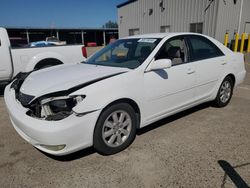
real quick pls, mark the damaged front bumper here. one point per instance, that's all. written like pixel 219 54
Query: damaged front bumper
pixel 54 137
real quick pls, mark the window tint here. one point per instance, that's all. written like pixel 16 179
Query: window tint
pixel 175 50
pixel 203 48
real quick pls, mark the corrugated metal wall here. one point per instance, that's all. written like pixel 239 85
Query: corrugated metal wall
pixel 227 20
pixel 178 14
pixel 222 16
pixel 245 15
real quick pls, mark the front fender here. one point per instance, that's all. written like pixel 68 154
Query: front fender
pixel 101 94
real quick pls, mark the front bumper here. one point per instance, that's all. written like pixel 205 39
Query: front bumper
pixel 75 132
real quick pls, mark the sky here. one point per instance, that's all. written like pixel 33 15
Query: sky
pixel 57 13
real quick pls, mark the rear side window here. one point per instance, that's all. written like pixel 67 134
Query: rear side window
pixel 202 48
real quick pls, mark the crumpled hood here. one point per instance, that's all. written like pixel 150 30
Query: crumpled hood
pixel 64 77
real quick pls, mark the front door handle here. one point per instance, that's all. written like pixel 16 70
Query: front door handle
pixel 223 62
pixel 190 71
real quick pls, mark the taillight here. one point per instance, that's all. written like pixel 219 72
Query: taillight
pixel 84 51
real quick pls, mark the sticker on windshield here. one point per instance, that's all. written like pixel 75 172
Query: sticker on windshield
pixel 147 40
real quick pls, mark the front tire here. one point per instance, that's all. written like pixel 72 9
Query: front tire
pixel 115 129
pixel 225 92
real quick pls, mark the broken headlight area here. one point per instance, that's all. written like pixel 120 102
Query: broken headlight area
pixel 54 108
pixel 18 80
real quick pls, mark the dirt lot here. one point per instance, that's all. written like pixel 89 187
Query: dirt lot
pixel 190 149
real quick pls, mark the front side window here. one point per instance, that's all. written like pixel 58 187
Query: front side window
pixel 203 48
pixel 128 53
pixel 175 50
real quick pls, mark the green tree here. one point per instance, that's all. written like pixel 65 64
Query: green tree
pixel 110 24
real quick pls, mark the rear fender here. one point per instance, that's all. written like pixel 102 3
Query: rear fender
pixel 39 57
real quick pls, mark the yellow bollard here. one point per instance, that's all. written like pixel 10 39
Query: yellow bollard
pixel 226 40
pixel 248 44
pixel 236 42
pixel 243 36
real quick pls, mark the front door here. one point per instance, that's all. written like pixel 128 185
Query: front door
pixel 168 90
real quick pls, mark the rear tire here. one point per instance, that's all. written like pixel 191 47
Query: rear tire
pixel 225 92
pixel 115 129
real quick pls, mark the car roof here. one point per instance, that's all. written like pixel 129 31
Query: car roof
pixel 161 35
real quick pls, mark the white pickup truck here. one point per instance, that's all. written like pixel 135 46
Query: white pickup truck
pixel 15 60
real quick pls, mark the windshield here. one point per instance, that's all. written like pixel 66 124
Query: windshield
pixel 127 53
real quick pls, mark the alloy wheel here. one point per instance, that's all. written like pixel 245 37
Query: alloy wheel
pixel 225 91
pixel 117 128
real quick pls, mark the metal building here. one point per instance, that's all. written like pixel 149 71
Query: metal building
pixel 210 17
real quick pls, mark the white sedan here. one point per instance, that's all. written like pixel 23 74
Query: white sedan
pixel 129 84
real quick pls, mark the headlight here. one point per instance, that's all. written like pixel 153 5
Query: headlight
pixel 57 108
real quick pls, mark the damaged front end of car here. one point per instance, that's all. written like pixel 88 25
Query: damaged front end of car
pixel 51 107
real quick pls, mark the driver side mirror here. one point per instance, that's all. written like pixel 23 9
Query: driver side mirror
pixel 159 64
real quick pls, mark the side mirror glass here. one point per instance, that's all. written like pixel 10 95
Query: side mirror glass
pixel 159 64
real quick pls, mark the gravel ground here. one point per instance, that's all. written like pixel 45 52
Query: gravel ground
pixel 189 149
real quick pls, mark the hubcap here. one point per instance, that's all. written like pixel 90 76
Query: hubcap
pixel 116 128
pixel 225 91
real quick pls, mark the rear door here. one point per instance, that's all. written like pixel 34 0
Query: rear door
pixel 210 63
pixel 5 56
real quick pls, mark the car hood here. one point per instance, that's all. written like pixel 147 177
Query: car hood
pixel 65 77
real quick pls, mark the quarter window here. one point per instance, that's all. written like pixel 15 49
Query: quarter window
pixel 203 48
